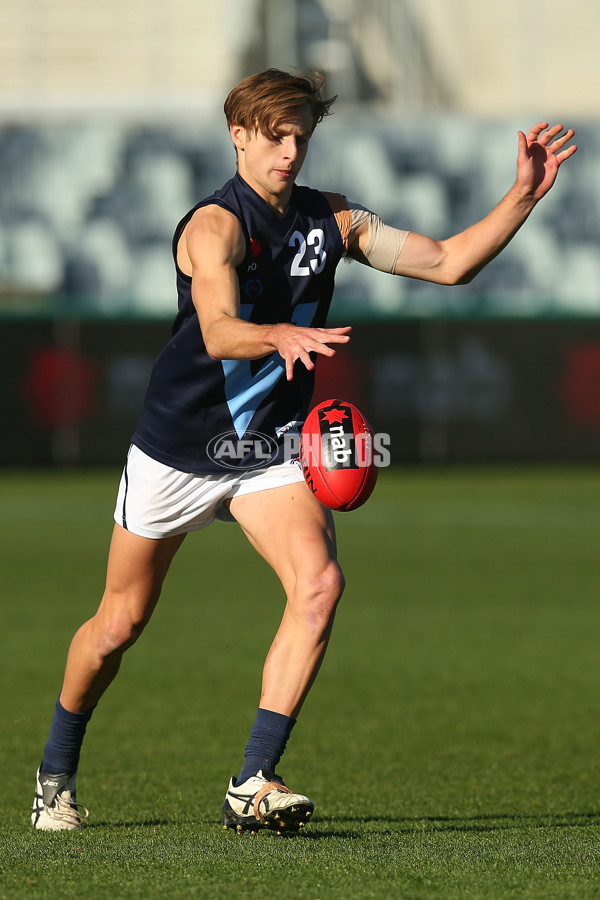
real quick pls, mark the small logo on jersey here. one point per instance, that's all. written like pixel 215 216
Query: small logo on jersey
pixel 255 247
pixel 253 451
pixel 253 288
pixel 295 426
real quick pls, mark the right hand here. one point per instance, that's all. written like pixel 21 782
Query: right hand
pixel 294 342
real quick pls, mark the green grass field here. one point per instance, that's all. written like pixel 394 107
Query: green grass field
pixel 451 742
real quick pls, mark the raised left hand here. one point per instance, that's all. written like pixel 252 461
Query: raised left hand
pixel 540 155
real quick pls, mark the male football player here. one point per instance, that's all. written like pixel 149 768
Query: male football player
pixel 255 265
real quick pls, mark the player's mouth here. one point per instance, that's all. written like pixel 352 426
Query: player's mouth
pixel 285 173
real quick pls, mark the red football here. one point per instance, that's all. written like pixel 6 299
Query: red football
pixel 336 454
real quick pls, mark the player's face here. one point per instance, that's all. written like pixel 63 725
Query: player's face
pixel 270 164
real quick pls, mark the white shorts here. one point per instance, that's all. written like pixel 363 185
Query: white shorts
pixel 156 501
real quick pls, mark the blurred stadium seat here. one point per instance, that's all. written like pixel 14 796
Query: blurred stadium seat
pixel 87 209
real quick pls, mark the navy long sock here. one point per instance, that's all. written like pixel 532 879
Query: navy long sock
pixel 61 753
pixel 266 744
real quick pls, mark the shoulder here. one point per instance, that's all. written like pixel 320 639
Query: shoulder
pixel 336 201
pixel 213 232
pixel 214 217
pixel 307 198
pixel 325 202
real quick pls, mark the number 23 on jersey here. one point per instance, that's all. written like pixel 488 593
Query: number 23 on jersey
pixel 311 256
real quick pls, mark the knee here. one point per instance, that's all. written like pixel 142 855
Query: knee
pixel 333 583
pixel 116 632
pixel 320 595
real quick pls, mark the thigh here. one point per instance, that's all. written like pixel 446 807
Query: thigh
pixel 290 529
pixel 136 570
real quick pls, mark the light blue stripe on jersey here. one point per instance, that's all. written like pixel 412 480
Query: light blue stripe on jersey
pixel 245 391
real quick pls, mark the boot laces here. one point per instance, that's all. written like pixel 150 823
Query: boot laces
pixel 65 809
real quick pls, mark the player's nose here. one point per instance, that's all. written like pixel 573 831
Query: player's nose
pixel 290 147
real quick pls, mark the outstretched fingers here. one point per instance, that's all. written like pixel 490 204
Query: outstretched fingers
pixel 298 343
pixel 536 130
pixel 559 143
pixel 553 139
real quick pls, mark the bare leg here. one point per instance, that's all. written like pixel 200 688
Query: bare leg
pixel 296 536
pixel 136 570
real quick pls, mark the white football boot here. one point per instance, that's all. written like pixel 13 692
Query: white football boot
pixel 263 801
pixel 54 805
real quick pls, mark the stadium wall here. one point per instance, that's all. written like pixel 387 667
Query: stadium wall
pixel 446 391
pixel 494 59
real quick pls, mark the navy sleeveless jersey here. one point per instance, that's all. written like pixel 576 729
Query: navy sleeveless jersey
pixel 198 410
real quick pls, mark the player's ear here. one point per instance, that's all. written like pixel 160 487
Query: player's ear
pixel 238 136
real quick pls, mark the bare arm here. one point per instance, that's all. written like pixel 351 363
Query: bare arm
pixel 211 248
pixel 458 259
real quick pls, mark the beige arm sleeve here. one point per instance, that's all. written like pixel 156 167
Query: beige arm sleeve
pixel 385 243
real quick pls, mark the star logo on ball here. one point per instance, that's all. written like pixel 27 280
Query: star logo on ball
pixel 334 416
